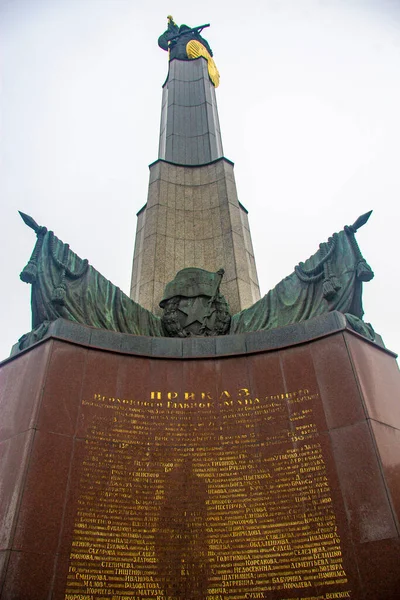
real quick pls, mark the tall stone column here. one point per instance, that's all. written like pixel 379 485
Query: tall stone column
pixel 193 217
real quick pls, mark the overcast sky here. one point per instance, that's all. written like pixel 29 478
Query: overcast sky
pixel 309 109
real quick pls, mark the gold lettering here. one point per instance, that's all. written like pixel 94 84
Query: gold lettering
pixel 243 393
pixel 285 540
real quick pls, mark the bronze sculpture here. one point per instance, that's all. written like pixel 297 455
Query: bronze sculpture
pixel 64 285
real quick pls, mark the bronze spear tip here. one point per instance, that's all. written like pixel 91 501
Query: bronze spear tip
pixel 29 221
pixel 361 220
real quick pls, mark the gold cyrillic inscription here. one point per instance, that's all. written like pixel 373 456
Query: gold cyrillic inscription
pixel 268 519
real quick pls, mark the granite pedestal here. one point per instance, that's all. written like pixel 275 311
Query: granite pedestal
pixel 264 465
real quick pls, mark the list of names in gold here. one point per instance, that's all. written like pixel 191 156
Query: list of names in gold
pixel 188 496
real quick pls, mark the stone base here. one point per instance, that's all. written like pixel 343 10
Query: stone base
pixel 257 466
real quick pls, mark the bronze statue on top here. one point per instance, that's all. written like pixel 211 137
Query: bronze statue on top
pixel 175 39
pixel 185 43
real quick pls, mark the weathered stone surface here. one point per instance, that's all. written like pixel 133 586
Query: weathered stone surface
pixel 206 227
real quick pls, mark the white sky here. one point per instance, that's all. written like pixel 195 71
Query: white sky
pixel 309 109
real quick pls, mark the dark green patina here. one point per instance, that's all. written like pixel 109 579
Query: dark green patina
pixel 193 304
pixel 175 39
pixel 64 285
pixel 329 280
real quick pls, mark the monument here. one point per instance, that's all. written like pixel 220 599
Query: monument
pixel 193 217
pixel 194 441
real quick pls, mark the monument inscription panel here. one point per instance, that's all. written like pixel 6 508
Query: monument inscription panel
pixel 212 491
pixel 253 476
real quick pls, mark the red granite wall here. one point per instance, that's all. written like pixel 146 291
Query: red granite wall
pixel 268 475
